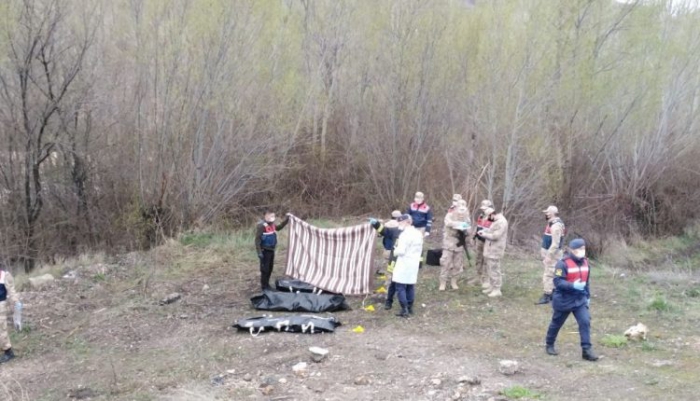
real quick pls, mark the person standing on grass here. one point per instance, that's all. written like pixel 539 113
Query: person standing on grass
pixel 482 223
pixel 389 231
pixel 551 252
pixel 572 295
pixel 265 244
pixel 453 245
pixel 421 214
pixel 7 295
pixel 496 237
pixel 408 252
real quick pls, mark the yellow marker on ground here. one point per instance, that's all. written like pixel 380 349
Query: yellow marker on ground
pixel 380 290
pixel 370 308
pixel 358 329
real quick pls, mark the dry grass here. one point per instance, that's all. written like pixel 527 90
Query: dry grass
pixel 110 335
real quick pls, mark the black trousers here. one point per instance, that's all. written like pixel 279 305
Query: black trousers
pixel 266 264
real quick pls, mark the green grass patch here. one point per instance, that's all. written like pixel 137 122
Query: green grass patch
pixel 693 292
pixel 518 392
pixel 660 304
pixel 614 341
pixel 649 347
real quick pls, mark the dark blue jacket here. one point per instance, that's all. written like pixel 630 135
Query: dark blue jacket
pixel 565 297
pixel 422 215
pixel 388 234
pixel 266 235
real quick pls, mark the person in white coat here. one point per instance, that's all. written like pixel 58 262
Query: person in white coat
pixel 408 252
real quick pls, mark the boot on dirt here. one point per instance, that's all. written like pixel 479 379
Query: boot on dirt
pixel 589 355
pixel 487 290
pixel 404 311
pixel 388 305
pixel 544 299
pixel 453 283
pixel 551 350
pixel 443 284
pixel 7 356
pixel 410 308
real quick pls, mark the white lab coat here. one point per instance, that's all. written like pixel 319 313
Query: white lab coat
pixel 408 252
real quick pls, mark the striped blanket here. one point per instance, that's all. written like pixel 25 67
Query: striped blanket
pixel 337 260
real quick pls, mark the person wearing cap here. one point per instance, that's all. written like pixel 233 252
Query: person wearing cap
pixel 457 225
pixel 496 237
pixel 421 214
pixel 265 244
pixel 572 295
pixel 389 231
pixel 455 199
pixel 408 252
pixel 551 251
pixel 482 223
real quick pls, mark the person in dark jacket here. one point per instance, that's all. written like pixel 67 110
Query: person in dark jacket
pixel 389 231
pixel 421 214
pixel 265 244
pixel 572 295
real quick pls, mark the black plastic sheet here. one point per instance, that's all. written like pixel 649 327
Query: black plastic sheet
pixel 299 302
pixel 292 324
pixel 294 285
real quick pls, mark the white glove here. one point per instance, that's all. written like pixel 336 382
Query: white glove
pixel 427 234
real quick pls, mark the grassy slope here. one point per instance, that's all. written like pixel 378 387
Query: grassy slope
pixel 105 332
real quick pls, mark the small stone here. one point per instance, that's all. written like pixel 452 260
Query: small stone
pixel 70 275
pixel 183 316
pixel 456 395
pixel 217 380
pixel 436 382
pixel 266 389
pixel 508 368
pixel 231 371
pixel 205 288
pixel 269 380
pixel 432 393
pixel 382 356
pixel 247 377
pixel 300 369
pixel 361 381
pixel 474 381
pixel 41 281
pixel 170 298
pixel 282 381
pixel 318 354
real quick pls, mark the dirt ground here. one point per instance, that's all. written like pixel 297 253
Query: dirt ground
pixel 104 336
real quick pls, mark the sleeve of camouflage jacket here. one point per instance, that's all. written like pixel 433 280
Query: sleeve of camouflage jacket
pixel 557 233
pixel 12 295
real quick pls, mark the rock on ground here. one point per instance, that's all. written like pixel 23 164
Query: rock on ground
pixel 508 367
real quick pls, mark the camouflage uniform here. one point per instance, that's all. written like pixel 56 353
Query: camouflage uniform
pixel 453 245
pixel 9 296
pixel 494 248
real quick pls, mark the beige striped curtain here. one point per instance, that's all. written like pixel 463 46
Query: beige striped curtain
pixel 337 260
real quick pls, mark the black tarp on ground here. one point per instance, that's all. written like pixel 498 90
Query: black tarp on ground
pixel 293 324
pixel 299 302
pixel 294 285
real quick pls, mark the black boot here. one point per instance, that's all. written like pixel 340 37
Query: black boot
pixel 387 305
pixel 9 354
pixel 589 355
pixel 410 308
pixel 551 350
pixel 545 299
pixel 404 311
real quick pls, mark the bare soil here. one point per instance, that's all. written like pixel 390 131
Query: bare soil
pixel 105 336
